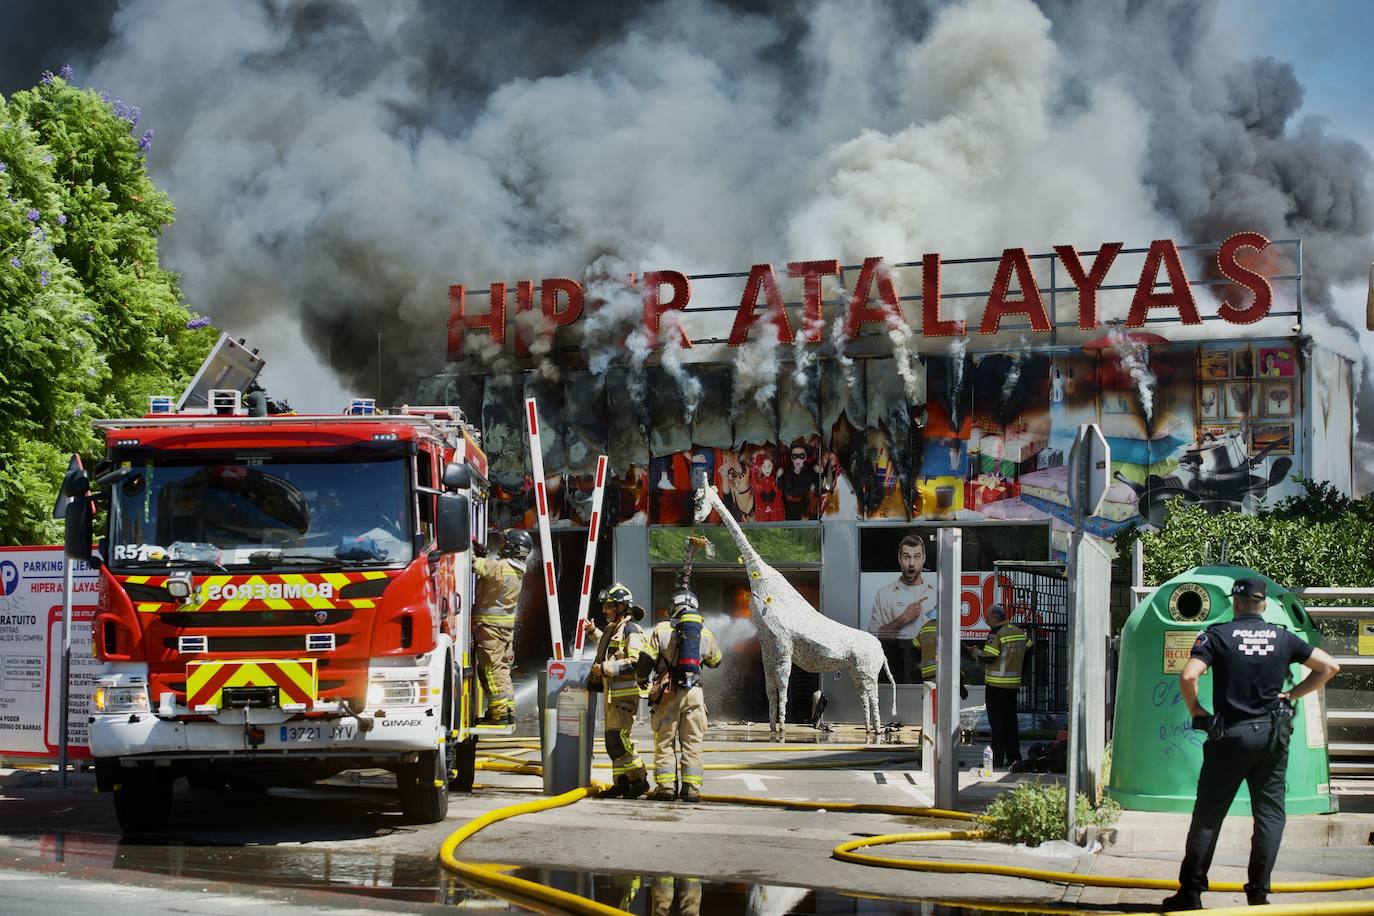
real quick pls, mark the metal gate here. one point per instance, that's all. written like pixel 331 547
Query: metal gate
pixel 1038 602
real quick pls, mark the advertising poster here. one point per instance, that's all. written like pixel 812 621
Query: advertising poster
pixel 31 652
pixel 980 590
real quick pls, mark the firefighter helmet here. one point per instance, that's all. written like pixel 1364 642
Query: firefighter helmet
pixel 616 594
pixel 518 544
pixel 682 602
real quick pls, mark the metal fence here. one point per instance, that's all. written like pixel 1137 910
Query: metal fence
pixel 1038 602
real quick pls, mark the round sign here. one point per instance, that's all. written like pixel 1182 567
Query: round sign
pixel 1190 602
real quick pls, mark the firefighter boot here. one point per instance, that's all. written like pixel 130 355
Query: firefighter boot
pixel 636 787
pixel 691 794
pixel 497 718
pixel 664 793
pixel 618 789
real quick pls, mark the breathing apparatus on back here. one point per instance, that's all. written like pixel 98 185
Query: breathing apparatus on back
pixel 685 613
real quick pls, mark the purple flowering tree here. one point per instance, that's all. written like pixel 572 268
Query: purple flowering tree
pixel 94 323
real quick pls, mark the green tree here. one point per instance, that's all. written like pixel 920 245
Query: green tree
pixel 90 323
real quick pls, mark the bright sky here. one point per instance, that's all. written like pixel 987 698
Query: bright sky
pixel 1330 44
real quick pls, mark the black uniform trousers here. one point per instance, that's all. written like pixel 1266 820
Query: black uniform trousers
pixel 1241 753
pixel 1006 734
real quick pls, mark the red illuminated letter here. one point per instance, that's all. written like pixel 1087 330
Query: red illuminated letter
pixel 548 300
pixel 654 306
pixel 859 312
pixel 812 271
pixel 460 322
pixel 1088 283
pixel 1029 304
pixel 760 277
pixel 932 325
pixel 1179 295
pixel 1229 264
pixel 524 303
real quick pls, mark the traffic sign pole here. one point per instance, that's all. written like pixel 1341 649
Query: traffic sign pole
pixel 1090 466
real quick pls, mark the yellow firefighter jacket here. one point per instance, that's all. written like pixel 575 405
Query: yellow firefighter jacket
pixel 925 641
pixel 1004 653
pixel 617 650
pixel 498 590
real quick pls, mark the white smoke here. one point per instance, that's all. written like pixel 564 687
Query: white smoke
pixel 1135 359
pixel 756 367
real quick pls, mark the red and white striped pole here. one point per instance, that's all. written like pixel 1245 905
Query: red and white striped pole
pixel 545 538
pixel 584 600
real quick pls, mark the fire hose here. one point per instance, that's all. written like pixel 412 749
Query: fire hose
pixel 847 852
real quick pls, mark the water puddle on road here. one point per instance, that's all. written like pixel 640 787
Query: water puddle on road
pixel 419 879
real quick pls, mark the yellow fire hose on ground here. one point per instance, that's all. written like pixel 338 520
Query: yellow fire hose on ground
pixel 847 852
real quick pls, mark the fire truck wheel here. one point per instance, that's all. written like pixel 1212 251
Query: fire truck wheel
pixel 462 769
pixel 143 800
pixel 424 788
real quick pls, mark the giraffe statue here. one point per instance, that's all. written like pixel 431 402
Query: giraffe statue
pixel 792 631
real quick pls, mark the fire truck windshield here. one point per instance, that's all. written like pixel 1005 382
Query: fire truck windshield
pixel 261 512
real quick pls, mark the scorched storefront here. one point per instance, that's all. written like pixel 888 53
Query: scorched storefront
pixel 846 412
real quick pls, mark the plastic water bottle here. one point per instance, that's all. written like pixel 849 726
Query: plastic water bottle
pixel 987 761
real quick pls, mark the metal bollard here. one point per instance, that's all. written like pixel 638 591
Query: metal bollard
pixel 567 725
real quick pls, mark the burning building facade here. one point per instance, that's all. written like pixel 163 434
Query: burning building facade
pixel 840 408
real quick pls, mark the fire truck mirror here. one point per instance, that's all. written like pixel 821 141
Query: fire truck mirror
pixel 457 476
pixel 78 530
pixel 454 523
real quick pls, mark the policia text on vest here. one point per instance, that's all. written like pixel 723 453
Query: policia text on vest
pixel 1247 734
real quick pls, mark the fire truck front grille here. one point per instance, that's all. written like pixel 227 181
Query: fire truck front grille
pixel 295 643
pixel 205 620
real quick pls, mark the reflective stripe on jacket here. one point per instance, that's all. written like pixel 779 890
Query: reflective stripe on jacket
pixel 925 641
pixel 618 651
pixel 498 590
pixel 1005 653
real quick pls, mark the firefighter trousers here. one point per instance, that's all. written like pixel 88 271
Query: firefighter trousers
pixel 1006 737
pixel 620 746
pixel 495 652
pixel 679 719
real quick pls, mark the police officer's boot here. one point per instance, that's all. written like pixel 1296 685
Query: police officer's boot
pixel 691 794
pixel 636 787
pixel 1183 900
pixel 1255 897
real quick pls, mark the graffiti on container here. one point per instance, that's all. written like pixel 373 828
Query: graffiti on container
pixel 1179 736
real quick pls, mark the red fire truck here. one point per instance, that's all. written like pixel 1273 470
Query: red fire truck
pixel 283 598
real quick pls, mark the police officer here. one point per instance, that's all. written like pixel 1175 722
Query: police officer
pixel 675 650
pixel 1247 736
pixel 498 592
pixel 1004 654
pixel 613 671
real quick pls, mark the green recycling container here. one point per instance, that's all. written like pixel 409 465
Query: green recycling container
pixel 1156 755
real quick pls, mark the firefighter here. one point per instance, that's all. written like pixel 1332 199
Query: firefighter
pixel 1004 654
pixel 498 591
pixel 671 662
pixel 613 672
pixel 925 641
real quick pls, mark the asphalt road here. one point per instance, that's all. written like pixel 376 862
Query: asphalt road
pixel 342 847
